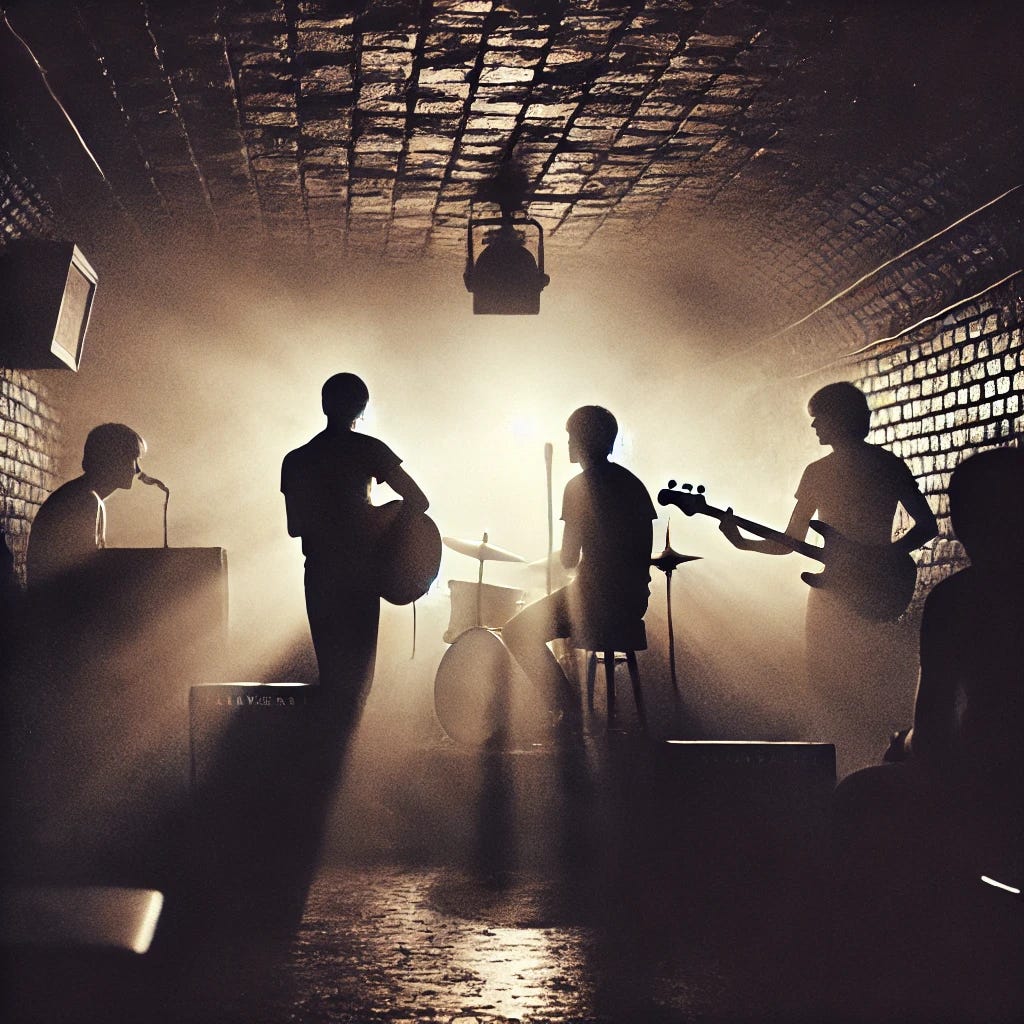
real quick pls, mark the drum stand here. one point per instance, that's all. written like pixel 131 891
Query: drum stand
pixel 668 561
pixel 480 585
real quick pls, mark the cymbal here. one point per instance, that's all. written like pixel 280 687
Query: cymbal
pixel 481 550
pixel 669 560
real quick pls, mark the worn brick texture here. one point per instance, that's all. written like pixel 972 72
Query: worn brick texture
pixel 948 391
pixel 29 425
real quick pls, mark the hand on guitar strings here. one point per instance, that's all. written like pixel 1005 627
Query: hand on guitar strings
pixel 728 528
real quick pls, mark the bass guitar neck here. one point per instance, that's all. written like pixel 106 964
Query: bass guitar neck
pixel 876 581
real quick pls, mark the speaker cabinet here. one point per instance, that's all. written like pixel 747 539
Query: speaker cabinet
pixel 46 296
pixel 244 736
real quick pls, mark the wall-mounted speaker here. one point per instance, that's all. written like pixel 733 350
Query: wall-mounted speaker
pixel 46 295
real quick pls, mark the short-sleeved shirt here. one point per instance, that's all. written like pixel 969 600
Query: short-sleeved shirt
pixel 327 483
pixel 612 511
pixel 857 490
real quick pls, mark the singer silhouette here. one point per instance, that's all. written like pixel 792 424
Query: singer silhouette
pixel 70 527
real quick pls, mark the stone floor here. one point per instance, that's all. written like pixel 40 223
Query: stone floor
pixel 398 944
pixel 402 944
pixel 603 886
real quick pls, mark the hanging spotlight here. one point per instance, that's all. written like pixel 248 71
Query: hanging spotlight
pixel 505 278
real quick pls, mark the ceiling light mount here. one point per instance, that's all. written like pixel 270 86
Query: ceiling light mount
pixel 505 279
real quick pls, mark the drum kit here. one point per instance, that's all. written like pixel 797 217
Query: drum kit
pixel 481 697
pixel 478 697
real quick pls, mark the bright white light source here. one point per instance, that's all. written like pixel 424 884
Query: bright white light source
pixel 1000 885
pixel 524 428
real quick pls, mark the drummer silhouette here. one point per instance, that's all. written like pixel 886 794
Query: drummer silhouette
pixel 607 536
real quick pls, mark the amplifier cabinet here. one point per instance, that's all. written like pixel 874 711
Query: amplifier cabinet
pixel 728 813
pixel 262 775
pixel 241 732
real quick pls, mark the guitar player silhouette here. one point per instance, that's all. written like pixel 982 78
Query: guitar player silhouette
pixel 857 490
pixel 326 486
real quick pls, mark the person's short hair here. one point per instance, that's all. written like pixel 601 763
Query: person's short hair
pixel 111 444
pixel 594 427
pixel 845 405
pixel 344 396
pixel 986 494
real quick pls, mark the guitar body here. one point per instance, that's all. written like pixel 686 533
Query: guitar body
pixel 875 583
pixel 407 553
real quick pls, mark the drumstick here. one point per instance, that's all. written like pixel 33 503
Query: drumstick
pixel 548 452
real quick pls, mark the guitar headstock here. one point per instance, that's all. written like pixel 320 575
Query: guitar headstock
pixel 688 500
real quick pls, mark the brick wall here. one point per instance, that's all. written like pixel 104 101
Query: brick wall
pixel 945 391
pixel 29 426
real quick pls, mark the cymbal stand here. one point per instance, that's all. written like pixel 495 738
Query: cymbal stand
pixel 668 561
pixel 480 587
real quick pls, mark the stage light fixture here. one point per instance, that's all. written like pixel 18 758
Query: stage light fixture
pixel 505 279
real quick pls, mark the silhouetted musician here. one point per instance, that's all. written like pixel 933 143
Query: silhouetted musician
pixel 70 527
pixel 857 490
pixel 326 485
pixel 608 530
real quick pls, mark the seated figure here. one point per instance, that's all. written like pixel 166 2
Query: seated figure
pixel 608 535
pixel 957 783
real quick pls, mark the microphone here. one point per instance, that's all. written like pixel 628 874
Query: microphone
pixel 153 482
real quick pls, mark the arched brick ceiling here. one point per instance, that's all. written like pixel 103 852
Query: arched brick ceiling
pixel 821 138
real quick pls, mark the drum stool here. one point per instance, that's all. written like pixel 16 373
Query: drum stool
pixel 628 642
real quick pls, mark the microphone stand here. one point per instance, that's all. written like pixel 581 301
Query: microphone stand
pixel 548 452
pixel 152 481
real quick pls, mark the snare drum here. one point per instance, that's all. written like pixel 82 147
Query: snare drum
pixel 481 696
pixel 496 605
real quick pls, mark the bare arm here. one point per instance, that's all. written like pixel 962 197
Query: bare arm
pixel 797 528
pixel 925 526
pixel 403 485
pixel 572 546
pixel 294 526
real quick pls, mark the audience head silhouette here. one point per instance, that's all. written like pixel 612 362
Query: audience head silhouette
pixel 839 411
pixel 986 496
pixel 344 397
pixel 110 458
pixel 592 432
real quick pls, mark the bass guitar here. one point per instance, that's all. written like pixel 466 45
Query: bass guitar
pixel 876 581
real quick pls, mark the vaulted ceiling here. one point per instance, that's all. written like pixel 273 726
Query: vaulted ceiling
pixel 828 135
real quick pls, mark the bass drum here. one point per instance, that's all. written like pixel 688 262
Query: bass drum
pixel 482 698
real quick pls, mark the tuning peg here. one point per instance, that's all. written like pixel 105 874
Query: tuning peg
pixel 700 488
pixel 671 484
pixel 687 487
